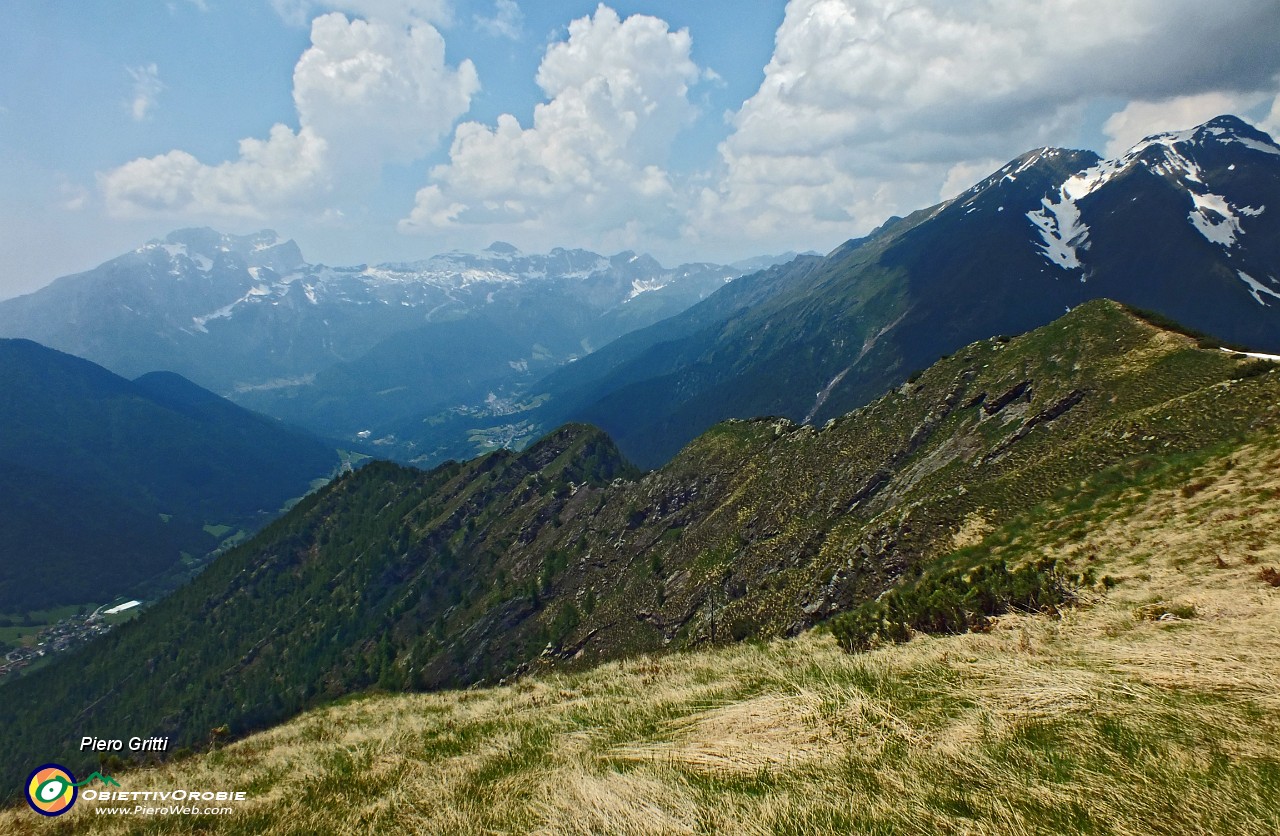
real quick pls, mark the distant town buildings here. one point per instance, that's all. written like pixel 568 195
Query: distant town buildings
pixel 67 634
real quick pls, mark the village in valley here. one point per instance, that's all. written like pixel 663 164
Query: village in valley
pixel 66 634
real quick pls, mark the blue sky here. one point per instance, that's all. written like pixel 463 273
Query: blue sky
pixel 375 130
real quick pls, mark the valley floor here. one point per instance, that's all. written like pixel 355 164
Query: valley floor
pixel 1154 707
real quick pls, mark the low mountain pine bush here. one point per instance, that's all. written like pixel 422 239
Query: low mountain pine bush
pixel 957 600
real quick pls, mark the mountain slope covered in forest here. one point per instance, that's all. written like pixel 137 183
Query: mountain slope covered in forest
pixel 395 578
pixel 108 481
pixel 1145 705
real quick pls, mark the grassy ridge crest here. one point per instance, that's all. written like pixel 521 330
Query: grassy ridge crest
pixel 395 579
pixel 1150 707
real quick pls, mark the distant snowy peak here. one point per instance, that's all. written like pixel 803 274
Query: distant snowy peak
pixel 1176 155
pixel 249 263
pixel 204 248
pixel 1196 161
pixel 499 263
pixel 639 286
pixel 1228 130
pixel 265 257
pixel 258 272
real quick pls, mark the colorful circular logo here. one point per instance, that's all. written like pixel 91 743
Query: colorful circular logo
pixel 51 790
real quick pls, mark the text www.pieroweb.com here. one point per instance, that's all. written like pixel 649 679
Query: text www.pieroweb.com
pixel 173 808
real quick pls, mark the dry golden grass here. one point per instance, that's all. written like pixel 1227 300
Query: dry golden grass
pixel 972 532
pixel 1105 720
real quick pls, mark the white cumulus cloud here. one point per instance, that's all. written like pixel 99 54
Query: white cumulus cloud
pixel 869 107
pixel 366 93
pixel 592 164
pixel 377 91
pixel 1271 122
pixel 270 174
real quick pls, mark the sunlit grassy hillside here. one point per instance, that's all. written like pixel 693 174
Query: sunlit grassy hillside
pixel 1152 707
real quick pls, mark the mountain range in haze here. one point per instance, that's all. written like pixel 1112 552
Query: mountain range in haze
pixel 349 352
pixel 459 354
pixel 448 357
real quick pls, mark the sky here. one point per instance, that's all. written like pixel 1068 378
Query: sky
pixel 392 130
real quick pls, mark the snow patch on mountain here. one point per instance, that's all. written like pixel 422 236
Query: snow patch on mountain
pixel 177 254
pixel 1029 163
pixel 1275 358
pixel 587 272
pixel 639 286
pixel 1250 142
pixel 458 269
pixel 1213 218
pixel 1174 163
pixel 257 291
pixel 1062 231
pixel 1256 287
pixel 1171 162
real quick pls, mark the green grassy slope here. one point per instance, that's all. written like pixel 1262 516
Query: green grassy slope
pixel 1148 707
pixel 398 579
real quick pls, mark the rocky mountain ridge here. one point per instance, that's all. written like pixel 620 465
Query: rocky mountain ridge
pixel 565 555
pixel 1185 224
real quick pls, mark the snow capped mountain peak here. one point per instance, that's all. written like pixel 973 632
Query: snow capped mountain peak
pixel 241 274
pixel 499 263
pixel 1042 165
pixel 1200 162
pixel 1184 151
pixel 1222 129
pixel 203 248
